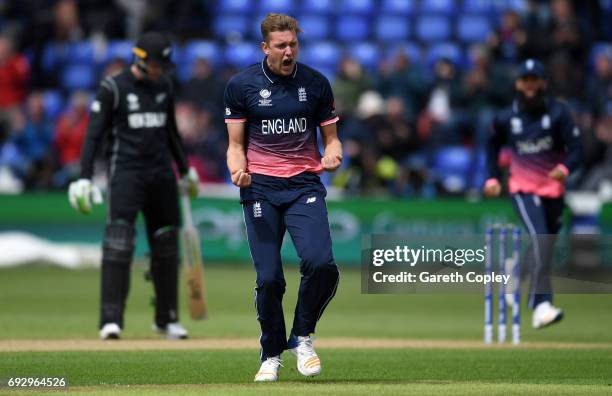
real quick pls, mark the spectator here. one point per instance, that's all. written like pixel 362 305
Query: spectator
pixel 102 17
pixel 9 160
pixel 204 88
pixel 67 25
pixel 510 41
pixel 565 78
pixel 34 142
pixel 565 33
pixel 205 144
pixel 13 165
pixel 442 121
pixel 70 130
pixel 359 137
pixel 14 77
pixel 188 18
pixel 599 86
pixel 601 170
pixel 403 147
pixel 406 81
pixel 487 86
pixel 350 83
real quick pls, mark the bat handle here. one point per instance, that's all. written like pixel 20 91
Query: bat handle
pixel 186 203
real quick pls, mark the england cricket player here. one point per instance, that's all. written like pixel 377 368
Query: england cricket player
pixel 545 146
pixel 273 109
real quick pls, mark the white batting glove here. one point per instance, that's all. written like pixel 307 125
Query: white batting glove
pixel 82 193
pixel 190 183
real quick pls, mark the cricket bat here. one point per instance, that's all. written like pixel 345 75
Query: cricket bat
pixel 192 260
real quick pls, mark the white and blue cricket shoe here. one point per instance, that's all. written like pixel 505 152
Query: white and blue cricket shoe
pixel 546 314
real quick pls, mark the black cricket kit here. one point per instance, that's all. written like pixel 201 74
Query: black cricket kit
pixel 135 120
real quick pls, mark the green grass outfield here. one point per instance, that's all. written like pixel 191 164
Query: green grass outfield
pixel 394 371
pixel 42 303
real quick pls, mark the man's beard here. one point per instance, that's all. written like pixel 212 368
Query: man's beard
pixel 535 104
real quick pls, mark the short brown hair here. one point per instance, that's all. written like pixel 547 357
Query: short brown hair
pixel 278 23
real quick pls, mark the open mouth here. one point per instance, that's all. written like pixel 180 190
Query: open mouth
pixel 287 62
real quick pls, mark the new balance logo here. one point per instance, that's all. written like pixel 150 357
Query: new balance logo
pixel 311 200
pixel 257 209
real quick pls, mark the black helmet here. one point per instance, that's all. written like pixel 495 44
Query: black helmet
pixel 153 46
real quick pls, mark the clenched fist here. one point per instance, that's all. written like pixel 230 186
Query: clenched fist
pixel 492 188
pixel 241 178
pixel 331 162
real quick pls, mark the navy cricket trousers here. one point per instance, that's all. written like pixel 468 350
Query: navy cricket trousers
pixel 542 219
pixel 305 218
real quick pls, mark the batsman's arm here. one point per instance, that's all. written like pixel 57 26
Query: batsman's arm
pixel 176 143
pixel 177 149
pixel 100 120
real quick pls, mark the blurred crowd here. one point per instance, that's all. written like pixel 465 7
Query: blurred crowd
pixel 395 120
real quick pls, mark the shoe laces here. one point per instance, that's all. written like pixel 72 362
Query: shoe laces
pixel 271 363
pixel 305 348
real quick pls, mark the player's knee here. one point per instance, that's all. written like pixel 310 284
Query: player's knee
pixel 164 244
pixel 270 283
pixel 118 245
pixel 328 271
pixel 316 261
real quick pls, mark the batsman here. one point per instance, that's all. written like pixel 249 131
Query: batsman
pixel 545 146
pixel 133 117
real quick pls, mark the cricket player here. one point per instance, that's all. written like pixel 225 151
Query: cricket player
pixel 545 145
pixel 273 109
pixel 133 115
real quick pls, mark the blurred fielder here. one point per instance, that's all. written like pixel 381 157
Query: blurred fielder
pixel 545 146
pixel 133 114
pixel 273 109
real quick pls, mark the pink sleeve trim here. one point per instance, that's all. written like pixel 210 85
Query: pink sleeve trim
pixel 335 119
